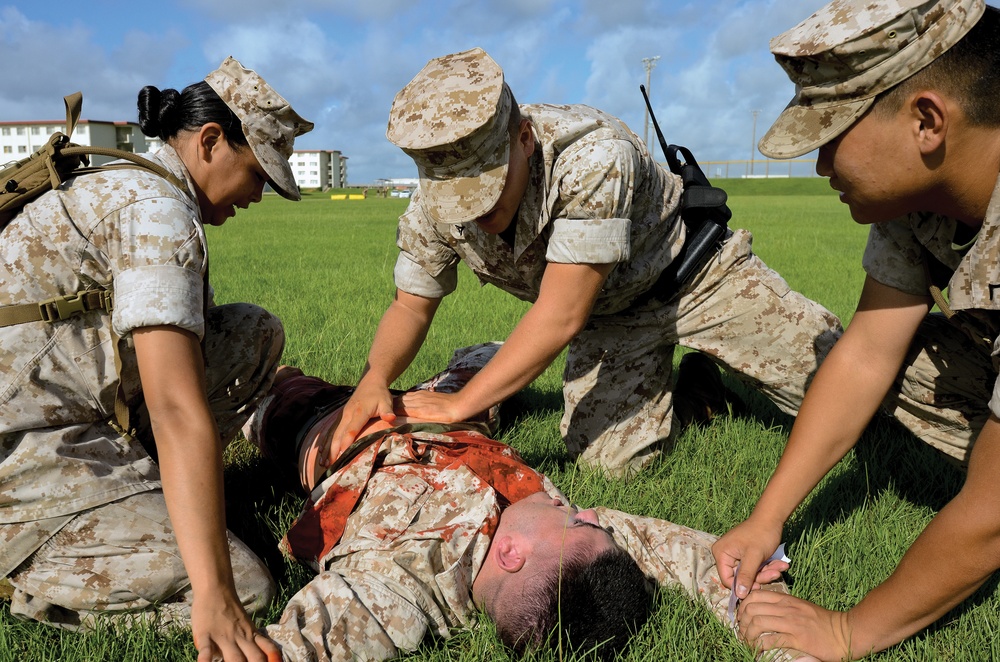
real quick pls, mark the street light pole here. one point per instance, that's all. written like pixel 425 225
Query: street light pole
pixel 649 63
pixel 753 139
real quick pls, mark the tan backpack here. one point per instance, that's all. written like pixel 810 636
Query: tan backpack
pixel 47 168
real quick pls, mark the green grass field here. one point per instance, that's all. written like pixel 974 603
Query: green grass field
pixel 325 267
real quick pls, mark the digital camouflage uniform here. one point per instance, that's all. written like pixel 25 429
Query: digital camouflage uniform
pixel 398 535
pixel 596 196
pixel 83 523
pixel 948 387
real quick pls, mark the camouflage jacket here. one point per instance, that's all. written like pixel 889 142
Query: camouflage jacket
pixel 129 230
pixel 900 252
pixel 405 560
pixel 595 196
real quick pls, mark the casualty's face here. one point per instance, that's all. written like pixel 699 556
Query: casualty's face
pixel 557 530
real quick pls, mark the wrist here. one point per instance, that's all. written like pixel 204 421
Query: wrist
pixel 766 519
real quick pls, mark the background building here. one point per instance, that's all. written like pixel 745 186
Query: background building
pixel 19 139
pixel 319 169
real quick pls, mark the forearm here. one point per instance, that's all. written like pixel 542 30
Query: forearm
pixel 399 336
pixel 531 347
pixel 846 392
pixel 842 399
pixel 565 300
pixel 952 557
pixel 190 458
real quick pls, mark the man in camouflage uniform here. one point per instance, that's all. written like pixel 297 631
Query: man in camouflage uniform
pixel 901 99
pixel 564 207
pixel 420 525
pixel 84 528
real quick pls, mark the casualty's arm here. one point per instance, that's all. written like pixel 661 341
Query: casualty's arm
pixel 846 392
pixel 565 299
pixel 680 557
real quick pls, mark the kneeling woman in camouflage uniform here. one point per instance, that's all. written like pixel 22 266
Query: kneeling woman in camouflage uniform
pixel 94 520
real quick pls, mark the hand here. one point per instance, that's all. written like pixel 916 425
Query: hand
pixel 430 406
pixel 370 400
pixel 748 545
pixel 222 630
pixel 769 620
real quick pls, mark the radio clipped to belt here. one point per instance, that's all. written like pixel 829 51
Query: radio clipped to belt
pixel 703 211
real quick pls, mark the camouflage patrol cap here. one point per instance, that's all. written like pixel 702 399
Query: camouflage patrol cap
pixel 269 123
pixel 848 52
pixel 452 120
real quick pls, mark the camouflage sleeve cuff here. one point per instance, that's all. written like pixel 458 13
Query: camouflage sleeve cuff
pixel 589 241
pixel 413 279
pixel 159 295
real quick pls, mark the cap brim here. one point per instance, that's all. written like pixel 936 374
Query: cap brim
pixel 278 170
pixel 801 129
pixel 467 196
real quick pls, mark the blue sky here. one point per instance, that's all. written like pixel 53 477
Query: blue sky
pixel 340 62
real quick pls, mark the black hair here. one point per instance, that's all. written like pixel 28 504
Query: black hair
pixel 165 113
pixel 969 71
pixel 588 607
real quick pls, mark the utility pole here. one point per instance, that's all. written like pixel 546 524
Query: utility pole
pixel 649 63
pixel 753 139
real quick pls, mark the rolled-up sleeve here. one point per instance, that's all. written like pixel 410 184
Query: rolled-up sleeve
pixel 159 295
pixel 596 187
pixel 412 278
pixel 427 265
pixel 589 241
pixel 161 268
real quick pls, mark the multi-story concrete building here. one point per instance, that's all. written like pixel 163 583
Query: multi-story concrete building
pixel 319 168
pixel 19 139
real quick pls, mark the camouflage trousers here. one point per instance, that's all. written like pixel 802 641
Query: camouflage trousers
pixel 618 385
pixel 122 557
pixel 121 560
pixel 943 391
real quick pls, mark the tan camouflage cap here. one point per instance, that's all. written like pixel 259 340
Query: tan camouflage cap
pixel 452 120
pixel 269 123
pixel 848 52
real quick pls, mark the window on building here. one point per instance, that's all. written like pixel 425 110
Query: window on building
pixel 6 131
pixel 22 149
pixel 81 130
pixel 20 130
pixel 36 130
pixel 7 149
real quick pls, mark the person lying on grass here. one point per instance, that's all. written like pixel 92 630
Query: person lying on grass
pixel 418 526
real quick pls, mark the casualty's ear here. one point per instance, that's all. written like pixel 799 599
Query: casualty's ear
pixel 509 554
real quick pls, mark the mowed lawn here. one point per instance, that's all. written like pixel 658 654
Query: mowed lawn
pixel 325 267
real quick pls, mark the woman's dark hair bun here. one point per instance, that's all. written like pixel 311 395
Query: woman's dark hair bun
pixel 159 112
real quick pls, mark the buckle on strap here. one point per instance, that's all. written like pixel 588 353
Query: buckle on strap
pixel 68 305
